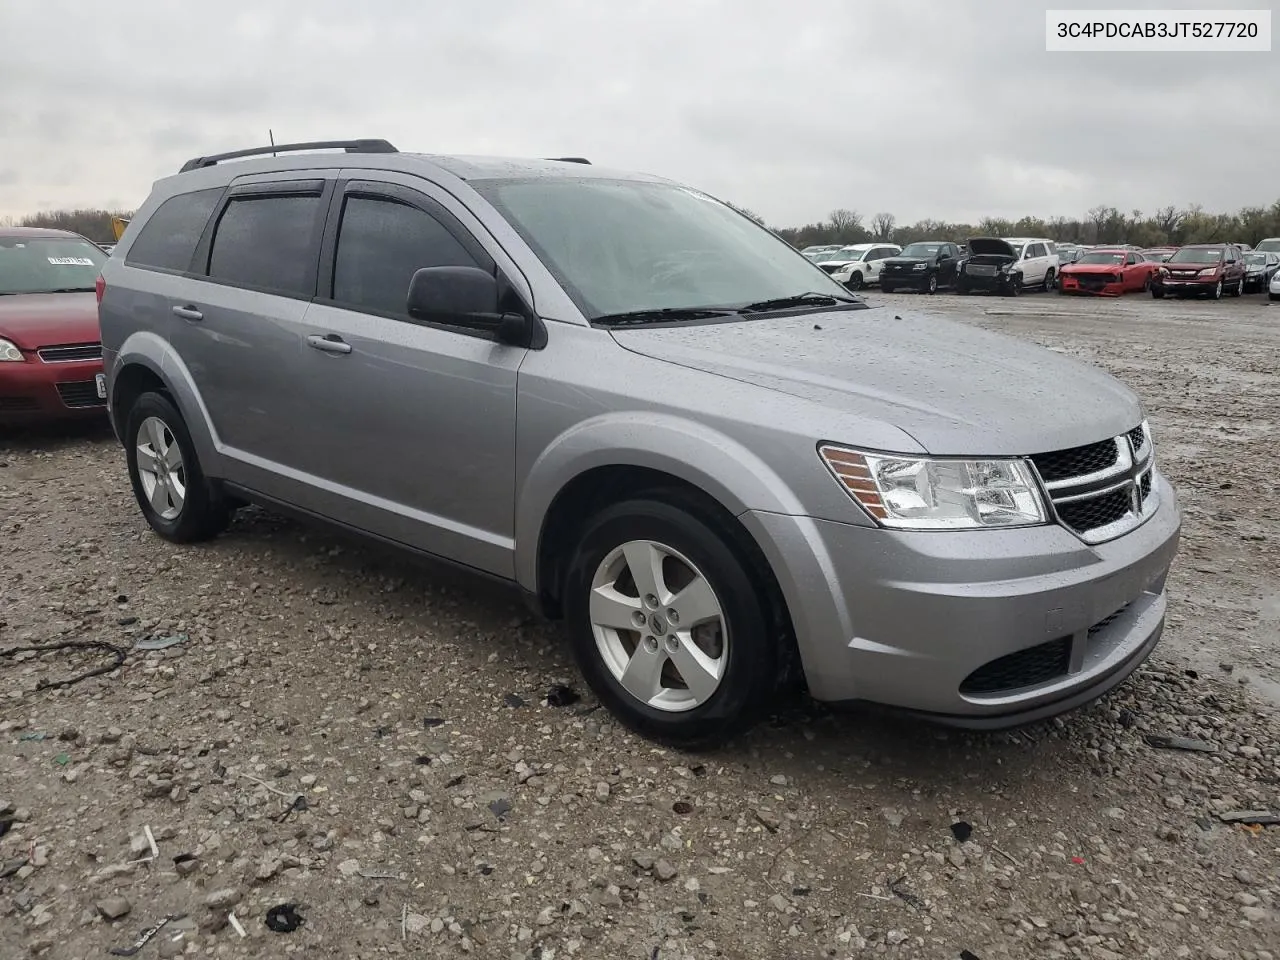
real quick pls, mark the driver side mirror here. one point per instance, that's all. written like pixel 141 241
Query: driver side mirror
pixel 464 297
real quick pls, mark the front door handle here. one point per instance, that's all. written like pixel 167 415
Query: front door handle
pixel 329 343
pixel 188 313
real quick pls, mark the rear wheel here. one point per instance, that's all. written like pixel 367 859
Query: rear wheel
pixel 1048 281
pixel 670 624
pixel 176 499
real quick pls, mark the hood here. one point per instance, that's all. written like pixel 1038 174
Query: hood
pixel 991 246
pixel 1091 267
pixel 901 261
pixel 33 320
pixel 957 389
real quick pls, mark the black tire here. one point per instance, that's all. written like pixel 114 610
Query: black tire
pixel 855 281
pixel 1157 292
pixel 887 287
pixel 1238 289
pixel 751 679
pixel 931 285
pixel 1048 282
pixel 1013 287
pixel 1216 292
pixel 204 513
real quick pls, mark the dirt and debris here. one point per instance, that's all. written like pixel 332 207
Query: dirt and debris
pixel 1086 841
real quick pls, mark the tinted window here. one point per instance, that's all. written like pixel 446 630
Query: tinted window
pixel 168 239
pixel 1133 258
pixel 381 244
pixel 267 242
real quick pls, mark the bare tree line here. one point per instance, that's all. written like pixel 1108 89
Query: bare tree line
pixel 1102 224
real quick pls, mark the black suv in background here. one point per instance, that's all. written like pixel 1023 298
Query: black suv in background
pixel 924 265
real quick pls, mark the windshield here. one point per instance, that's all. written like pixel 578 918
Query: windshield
pixel 1101 257
pixel 1270 245
pixel 1197 255
pixel 844 253
pixel 921 250
pixel 46 265
pixel 1255 258
pixel 622 246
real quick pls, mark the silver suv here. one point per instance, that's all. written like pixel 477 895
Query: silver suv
pixel 665 425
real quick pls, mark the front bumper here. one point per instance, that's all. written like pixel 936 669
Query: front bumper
pixel 986 628
pixel 1169 285
pixel 912 278
pixel 985 284
pixel 34 392
pixel 1069 283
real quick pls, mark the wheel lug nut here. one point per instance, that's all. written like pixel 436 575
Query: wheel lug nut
pixel 673 644
pixel 651 644
pixel 673 616
pixel 651 602
pixel 638 619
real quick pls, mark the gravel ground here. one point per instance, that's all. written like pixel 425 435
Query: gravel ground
pixel 446 808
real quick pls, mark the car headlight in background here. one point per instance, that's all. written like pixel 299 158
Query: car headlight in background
pixel 920 266
pixel 10 352
pixel 923 493
pixel 1208 271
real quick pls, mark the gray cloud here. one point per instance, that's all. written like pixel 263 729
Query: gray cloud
pixel 941 109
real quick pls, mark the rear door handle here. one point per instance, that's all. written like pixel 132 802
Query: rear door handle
pixel 188 313
pixel 329 343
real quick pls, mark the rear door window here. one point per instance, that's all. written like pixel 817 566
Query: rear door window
pixel 168 239
pixel 268 243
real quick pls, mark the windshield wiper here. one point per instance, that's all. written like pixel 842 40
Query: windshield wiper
pixel 663 315
pixel 799 300
pixel 71 290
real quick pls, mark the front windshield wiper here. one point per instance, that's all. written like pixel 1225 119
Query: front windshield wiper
pixel 663 315
pixel 799 300
pixel 71 290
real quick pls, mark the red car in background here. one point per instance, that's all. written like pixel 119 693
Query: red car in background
pixel 50 348
pixel 1107 272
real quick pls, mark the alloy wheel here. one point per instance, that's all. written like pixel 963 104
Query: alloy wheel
pixel 160 468
pixel 658 625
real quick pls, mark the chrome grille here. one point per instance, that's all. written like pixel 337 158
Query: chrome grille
pixel 1101 490
pixel 68 354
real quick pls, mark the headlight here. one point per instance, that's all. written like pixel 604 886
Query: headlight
pixel 916 493
pixel 920 266
pixel 9 352
pixel 1208 271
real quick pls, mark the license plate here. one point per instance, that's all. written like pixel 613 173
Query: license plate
pixel 100 381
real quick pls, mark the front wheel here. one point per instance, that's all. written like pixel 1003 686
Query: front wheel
pixel 670 625
pixel 855 281
pixel 1238 289
pixel 177 500
pixel 1216 292
pixel 931 285
pixel 1013 287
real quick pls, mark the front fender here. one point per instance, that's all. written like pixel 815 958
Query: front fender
pixel 153 352
pixel 693 452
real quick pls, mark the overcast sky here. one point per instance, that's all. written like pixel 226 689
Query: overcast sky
pixel 949 109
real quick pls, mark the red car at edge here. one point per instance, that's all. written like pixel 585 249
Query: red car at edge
pixel 1107 272
pixel 50 348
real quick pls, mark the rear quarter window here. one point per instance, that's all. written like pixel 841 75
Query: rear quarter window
pixel 167 241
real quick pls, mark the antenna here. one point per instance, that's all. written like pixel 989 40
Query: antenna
pixel 272 136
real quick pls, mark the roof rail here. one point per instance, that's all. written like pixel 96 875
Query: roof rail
pixel 571 160
pixel 350 146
